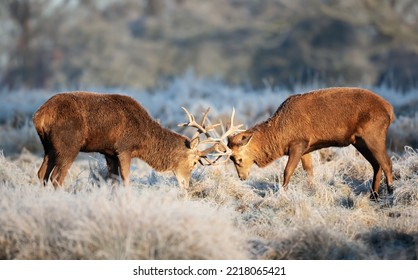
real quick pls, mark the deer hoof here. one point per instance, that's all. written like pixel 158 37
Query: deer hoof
pixel 374 196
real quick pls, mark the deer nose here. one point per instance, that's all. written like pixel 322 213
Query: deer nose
pixel 243 176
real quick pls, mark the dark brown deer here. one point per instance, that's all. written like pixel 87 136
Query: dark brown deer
pixel 322 118
pixel 119 128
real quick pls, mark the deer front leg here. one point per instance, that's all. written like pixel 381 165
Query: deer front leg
pixel 308 167
pixel 112 168
pixel 295 154
pixel 125 165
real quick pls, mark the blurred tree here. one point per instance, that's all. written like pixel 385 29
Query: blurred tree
pixel 28 62
pixel 23 62
pixel 131 43
pixel 396 41
pixel 336 42
pixel 154 8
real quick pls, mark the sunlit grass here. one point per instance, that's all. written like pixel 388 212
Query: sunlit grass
pixel 220 217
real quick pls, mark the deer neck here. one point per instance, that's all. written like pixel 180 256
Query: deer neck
pixel 267 143
pixel 163 150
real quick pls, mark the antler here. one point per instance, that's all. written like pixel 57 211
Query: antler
pixel 226 151
pixel 201 128
pixel 220 147
pixel 232 128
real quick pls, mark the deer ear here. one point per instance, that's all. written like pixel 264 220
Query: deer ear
pixel 194 142
pixel 245 139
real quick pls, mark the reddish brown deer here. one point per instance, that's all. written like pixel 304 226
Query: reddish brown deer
pixel 119 128
pixel 322 118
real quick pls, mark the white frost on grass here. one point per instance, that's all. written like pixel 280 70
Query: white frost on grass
pixel 221 217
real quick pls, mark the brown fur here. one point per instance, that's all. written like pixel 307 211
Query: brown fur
pixel 322 118
pixel 114 125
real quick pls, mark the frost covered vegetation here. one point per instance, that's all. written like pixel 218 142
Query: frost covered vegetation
pixel 221 217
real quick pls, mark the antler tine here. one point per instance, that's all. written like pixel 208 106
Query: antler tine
pixel 192 122
pixel 211 162
pixel 232 129
pixel 210 126
pixel 216 148
pixel 202 123
pixel 219 143
pixel 219 148
pixel 201 128
pixel 189 116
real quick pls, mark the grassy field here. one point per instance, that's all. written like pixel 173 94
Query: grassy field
pixel 220 217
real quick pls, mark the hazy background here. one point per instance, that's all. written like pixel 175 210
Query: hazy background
pixel 215 53
pixel 139 44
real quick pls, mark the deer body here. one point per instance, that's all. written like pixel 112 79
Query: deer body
pixel 114 125
pixel 307 122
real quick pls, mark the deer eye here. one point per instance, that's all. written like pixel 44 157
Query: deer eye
pixel 237 161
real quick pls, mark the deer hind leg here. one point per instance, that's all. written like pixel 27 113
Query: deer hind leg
pixel 48 162
pixel 375 149
pixel 46 168
pixel 377 146
pixel 63 163
pixel 377 170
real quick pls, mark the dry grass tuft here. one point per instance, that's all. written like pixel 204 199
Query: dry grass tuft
pixel 316 243
pixel 391 244
pixel 106 224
